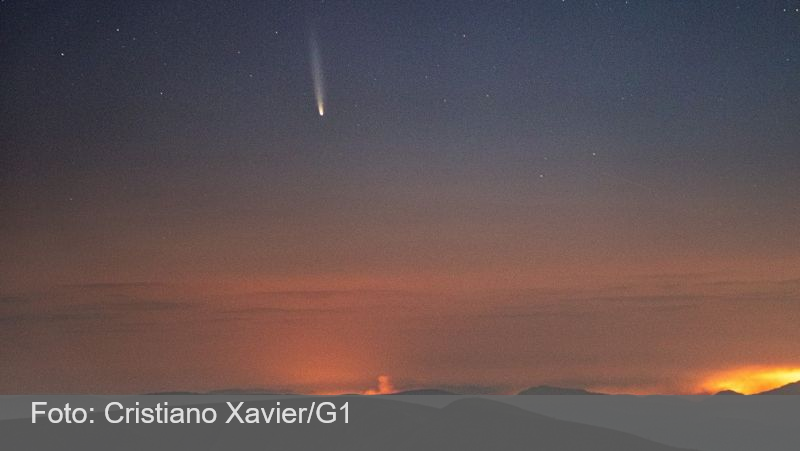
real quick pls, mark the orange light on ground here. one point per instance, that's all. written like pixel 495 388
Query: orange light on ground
pixel 751 380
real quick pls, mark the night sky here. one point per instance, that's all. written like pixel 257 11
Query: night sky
pixel 500 194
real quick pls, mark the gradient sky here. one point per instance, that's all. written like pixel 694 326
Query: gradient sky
pixel 500 194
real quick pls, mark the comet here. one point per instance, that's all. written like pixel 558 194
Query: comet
pixel 317 74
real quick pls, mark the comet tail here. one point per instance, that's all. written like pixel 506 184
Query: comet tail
pixel 317 75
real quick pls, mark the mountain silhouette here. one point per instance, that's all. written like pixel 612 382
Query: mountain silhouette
pixel 425 391
pixel 788 389
pixel 249 391
pixel 549 390
pixel 173 393
pixel 728 393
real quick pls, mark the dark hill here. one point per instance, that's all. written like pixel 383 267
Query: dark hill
pixel 728 393
pixel 425 391
pixel 549 390
pixel 788 389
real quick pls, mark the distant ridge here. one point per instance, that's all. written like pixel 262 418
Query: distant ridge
pixel 229 391
pixel 728 393
pixel 248 391
pixel 425 391
pixel 788 389
pixel 172 393
pixel 549 390
pixel 541 390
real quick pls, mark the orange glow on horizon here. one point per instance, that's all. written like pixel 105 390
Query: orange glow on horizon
pixel 385 386
pixel 751 380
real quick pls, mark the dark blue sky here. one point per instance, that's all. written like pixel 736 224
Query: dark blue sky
pixel 466 147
